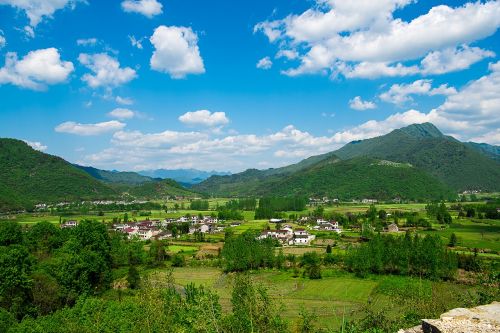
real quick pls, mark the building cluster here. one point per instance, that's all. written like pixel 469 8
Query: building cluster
pixel 322 201
pixel 159 228
pixel 288 236
pixel 322 225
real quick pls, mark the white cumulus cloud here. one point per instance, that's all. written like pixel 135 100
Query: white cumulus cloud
pixel 401 93
pixel 136 42
pixel 36 145
pixel 264 63
pixel 106 70
pixel 148 8
pixel 358 104
pixel 338 36
pixel 86 42
pixel 37 10
pixel 205 118
pixel 453 59
pixel 176 52
pixel 124 100
pixel 36 70
pixel 121 113
pixel 72 127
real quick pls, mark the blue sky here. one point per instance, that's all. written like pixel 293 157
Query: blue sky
pixel 228 85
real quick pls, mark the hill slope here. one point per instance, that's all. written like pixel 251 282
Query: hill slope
pixel 425 147
pixel 116 177
pixel 250 180
pixel 488 150
pixel 185 176
pixel 360 178
pixel 356 178
pixel 160 190
pixel 28 176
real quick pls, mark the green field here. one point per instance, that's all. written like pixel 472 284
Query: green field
pixel 331 298
pixel 481 234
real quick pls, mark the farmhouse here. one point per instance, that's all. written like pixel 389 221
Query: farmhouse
pixel 69 224
pixel 302 237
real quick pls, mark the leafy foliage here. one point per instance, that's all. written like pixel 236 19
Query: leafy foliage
pixel 425 257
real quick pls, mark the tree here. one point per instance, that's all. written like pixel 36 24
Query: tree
pixel 10 233
pixel 253 309
pixel 16 265
pixel 178 260
pixel 453 240
pixel 328 248
pixel 133 277
pixel 311 263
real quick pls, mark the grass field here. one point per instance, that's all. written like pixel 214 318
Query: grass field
pixel 482 234
pixel 336 295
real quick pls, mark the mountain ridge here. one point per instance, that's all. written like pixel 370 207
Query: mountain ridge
pixel 455 164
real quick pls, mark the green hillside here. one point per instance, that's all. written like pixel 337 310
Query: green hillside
pixel 488 150
pixel 433 156
pixel 250 180
pixel 159 190
pixel 29 176
pixel 423 146
pixel 116 177
pixel 360 178
pixel 356 178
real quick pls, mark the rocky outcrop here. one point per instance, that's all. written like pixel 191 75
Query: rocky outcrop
pixel 481 319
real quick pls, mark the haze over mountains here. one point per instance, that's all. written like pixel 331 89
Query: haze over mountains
pixel 184 176
pixel 417 162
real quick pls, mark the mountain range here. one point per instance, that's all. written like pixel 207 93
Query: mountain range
pixel 186 177
pixel 414 162
pixel 28 177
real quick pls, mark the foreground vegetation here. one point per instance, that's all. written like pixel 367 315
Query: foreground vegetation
pixel 89 279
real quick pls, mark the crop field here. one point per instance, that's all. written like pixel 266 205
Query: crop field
pixel 335 297
pixel 481 234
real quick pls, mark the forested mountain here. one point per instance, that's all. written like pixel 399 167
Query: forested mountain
pixel 28 176
pixel 352 179
pixel 250 180
pixel 185 176
pixel 432 157
pixel 425 147
pixel 116 177
pixel 488 150
pixel 159 189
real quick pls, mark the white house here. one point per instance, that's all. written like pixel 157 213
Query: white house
pixel 69 224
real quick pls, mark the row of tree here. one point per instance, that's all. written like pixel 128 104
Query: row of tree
pixel 270 207
pixel 418 256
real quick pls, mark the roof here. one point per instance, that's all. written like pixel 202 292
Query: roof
pixel 301 236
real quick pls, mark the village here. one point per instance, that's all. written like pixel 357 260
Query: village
pixel 171 228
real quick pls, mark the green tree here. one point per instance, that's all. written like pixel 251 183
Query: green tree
pixel 10 233
pixel 328 248
pixel 133 277
pixel 16 265
pixel 453 240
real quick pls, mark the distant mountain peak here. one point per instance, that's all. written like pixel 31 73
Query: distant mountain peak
pixel 424 130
